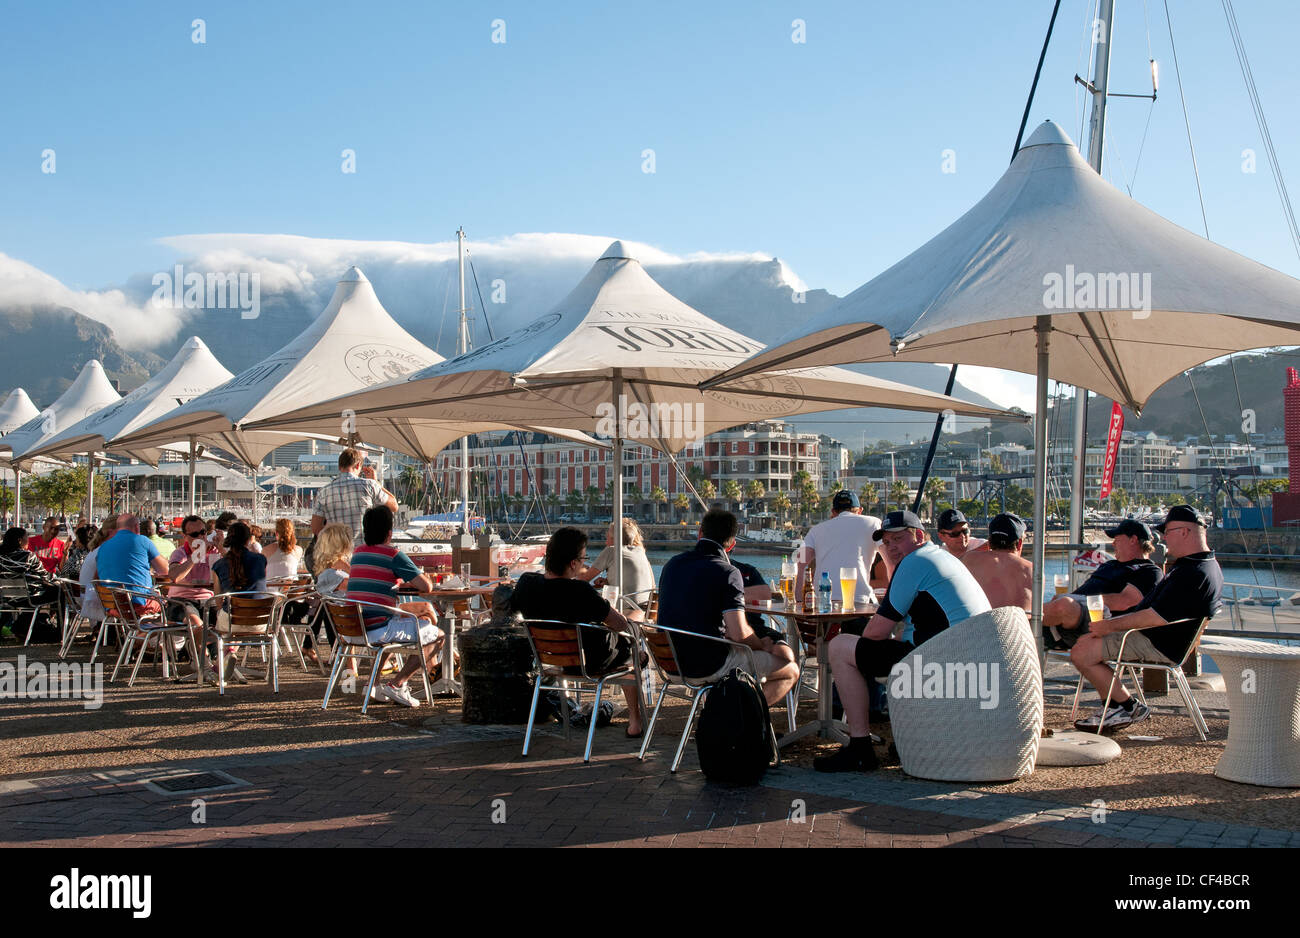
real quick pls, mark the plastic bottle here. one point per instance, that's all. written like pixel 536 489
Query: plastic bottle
pixel 824 593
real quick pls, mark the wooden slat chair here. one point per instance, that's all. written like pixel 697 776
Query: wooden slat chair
pixel 73 620
pixel 354 644
pixel 141 628
pixel 1119 664
pixel 558 656
pixel 659 640
pixel 252 620
pixel 298 589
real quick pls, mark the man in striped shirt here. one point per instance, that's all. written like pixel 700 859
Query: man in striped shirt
pixel 377 569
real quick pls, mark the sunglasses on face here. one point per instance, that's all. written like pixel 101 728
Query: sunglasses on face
pixel 961 532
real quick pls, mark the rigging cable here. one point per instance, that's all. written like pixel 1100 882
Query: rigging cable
pixel 1187 121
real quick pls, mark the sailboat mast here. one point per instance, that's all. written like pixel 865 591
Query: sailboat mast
pixel 462 346
pixel 1102 29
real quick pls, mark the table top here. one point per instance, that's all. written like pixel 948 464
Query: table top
pixel 799 613
pixel 1248 648
pixel 440 593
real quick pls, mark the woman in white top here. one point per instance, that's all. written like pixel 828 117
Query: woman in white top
pixel 284 557
pixel 332 559
pixel 638 577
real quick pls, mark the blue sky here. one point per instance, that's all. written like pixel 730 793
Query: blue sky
pixel 826 153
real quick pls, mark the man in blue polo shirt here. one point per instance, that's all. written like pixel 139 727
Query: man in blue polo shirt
pixel 129 557
pixel 930 588
pixel 1168 618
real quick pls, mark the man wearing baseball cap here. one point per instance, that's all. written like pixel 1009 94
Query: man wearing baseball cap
pixel 846 539
pixel 1122 583
pixel 954 534
pixel 1006 577
pixel 930 588
pixel 1168 618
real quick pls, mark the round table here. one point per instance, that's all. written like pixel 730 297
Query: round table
pixel 445 600
pixel 1263 685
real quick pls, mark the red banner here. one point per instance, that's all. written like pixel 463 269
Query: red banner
pixel 1112 448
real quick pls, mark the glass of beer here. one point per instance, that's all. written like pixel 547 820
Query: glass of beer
pixel 848 586
pixel 1096 610
pixel 1062 581
pixel 788 573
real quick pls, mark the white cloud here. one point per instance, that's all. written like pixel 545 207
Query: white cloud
pixel 1008 388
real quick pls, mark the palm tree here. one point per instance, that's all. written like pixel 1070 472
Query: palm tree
pixel 755 491
pixel 870 494
pixel 659 497
pixel 593 499
pixel 809 502
pixel 682 503
pixel 574 501
pixel 934 490
pixel 781 502
pixel 707 490
pixel 634 499
pixel 552 503
pixel 898 493
pixel 731 492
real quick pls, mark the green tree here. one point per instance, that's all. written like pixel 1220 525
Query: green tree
pixel 970 507
pixel 899 493
pixel 552 504
pixel 809 502
pixel 707 490
pixel 935 489
pixel 659 497
pixel 593 499
pixel 574 501
pixel 781 505
pixel 731 492
pixel 683 504
pixel 869 495
pixel 1119 500
pixel 754 491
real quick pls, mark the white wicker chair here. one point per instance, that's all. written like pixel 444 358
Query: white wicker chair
pixel 952 737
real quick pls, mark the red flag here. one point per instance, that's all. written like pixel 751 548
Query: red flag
pixel 1112 448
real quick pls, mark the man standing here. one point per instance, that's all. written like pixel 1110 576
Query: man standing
pixel 130 558
pixel 48 548
pixel 347 497
pixel 933 590
pixel 1168 618
pixel 1006 577
pixel 149 528
pixel 954 534
pixel 701 591
pixel 1122 583
pixel 846 539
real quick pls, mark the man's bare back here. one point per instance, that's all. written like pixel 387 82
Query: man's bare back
pixel 1006 577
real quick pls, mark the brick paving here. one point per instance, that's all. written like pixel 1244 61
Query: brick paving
pixel 468 787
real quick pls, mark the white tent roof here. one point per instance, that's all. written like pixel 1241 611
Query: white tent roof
pixel 971 294
pixel 353 344
pixel 88 394
pixel 16 411
pixel 559 370
pixel 191 372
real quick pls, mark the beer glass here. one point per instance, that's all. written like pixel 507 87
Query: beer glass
pixel 848 586
pixel 1062 581
pixel 1096 610
pixel 788 573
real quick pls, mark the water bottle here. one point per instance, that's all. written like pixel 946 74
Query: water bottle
pixel 824 593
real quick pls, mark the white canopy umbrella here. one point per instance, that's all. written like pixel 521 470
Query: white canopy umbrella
pixel 191 372
pixel 14 412
pixel 620 346
pixel 353 344
pixel 91 392
pixel 1055 257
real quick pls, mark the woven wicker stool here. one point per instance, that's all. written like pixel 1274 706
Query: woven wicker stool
pixel 1263 711
pixel 955 738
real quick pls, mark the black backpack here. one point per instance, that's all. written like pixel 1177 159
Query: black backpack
pixel 734 734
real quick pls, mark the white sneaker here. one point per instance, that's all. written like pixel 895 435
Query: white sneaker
pixel 398 694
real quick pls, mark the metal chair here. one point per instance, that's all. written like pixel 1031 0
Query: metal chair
pixel 299 589
pixel 558 653
pixel 1173 670
pixel 104 593
pixel 354 643
pixel 143 627
pixel 659 640
pixel 251 620
pixel 15 598
pixel 73 593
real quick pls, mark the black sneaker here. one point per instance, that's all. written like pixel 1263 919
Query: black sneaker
pixel 848 759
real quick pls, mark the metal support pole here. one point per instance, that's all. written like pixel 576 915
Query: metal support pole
pixel 1044 329
pixel 616 575
pixel 193 447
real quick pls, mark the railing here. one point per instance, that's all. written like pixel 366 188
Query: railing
pixel 1254 611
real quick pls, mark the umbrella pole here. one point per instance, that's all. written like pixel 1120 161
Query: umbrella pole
pixel 193 441
pixel 1044 329
pixel 90 488
pixel 616 575
pixel 18 497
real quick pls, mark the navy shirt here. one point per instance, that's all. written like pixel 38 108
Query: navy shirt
pixel 1190 590
pixel 1114 575
pixel 695 589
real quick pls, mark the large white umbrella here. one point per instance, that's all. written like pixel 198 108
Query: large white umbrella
pixel 353 344
pixel 1055 265
pixel 14 412
pixel 90 392
pixel 620 346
